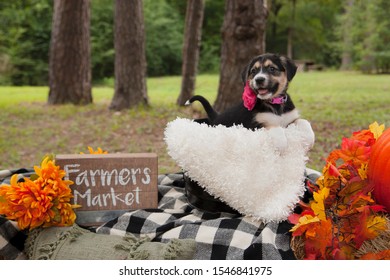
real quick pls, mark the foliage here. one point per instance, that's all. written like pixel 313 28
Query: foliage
pixel 370 35
pixel 102 39
pixel 163 27
pixel 342 214
pixel 210 49
pixel 164 38
pixel 318 35
pixel 313 23
pixel 24 41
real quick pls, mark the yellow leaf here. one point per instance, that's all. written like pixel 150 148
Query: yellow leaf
pixel 376 224
pixel 317 205
pixel 376 129
pixel 363 171
pixel 305 220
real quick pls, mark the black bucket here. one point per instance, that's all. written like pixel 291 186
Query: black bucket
pixel 199 198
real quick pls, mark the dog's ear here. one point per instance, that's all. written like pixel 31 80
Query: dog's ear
pixel 245 73
pixel 290 66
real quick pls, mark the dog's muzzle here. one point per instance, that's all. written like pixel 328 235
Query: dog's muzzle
pixel 260 84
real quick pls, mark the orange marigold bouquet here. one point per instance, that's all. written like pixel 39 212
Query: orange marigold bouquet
pixel 342 215
pixel 43 200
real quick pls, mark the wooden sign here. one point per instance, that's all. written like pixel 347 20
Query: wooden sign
pixel 107 185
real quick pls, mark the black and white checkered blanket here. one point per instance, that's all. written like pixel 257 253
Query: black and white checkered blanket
pixel 217 235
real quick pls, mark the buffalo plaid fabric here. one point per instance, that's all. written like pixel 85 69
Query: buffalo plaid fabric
pixel 217 235
pixel 11 238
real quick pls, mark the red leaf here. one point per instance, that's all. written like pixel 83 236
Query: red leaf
pixel 365 136
pixel 354 151
pixel 378 208
pixel 294 218
pixel 382 255
pixel 368 227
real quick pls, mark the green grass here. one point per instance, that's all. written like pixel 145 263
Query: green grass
pixel 335 103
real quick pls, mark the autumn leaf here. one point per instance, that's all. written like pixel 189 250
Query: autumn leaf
pixel 319 239
pixel 293 218
pixel 352 189
pixel 382 255
pixel 365 136
pixel 354 151
pixel 303 222
pixel 362 171
pixel 376 129
pixel 361 201
pixel 369 227
pixel 318 205
pixel 345 252
pixel 376 223
pixel 342 213
pixel 333 171
pixel 330 178
pixel 377 208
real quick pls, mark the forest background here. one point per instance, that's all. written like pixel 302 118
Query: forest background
pixel 351 35
pixel 323 32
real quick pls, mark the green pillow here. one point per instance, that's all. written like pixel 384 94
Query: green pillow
pixel 75 243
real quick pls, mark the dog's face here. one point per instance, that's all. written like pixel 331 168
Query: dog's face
pixel 269 75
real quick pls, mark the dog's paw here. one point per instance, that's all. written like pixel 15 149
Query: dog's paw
pixel 278 138
pixel 308 136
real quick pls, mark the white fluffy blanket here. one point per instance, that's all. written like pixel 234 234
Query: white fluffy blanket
pixel 241 167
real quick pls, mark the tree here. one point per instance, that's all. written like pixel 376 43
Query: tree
pixel 130 60
pixel 192 36
pixel 314 25
pixel 243 37
pixel 290 34
pixel 346 56
pixel 164 38
pixel 210 49
pixel 25 28
pixel 102 39
pixel 69 63
pixel 370 35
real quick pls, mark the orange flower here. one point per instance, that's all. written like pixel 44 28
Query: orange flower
pixel 44 201
pixel 25 202
pixel 52 176
pixel 98 151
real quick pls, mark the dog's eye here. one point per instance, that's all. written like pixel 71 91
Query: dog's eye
pixel 273 70
pixel 253 71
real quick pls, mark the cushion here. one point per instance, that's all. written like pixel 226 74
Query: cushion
pixel 76 243
pixel 244 168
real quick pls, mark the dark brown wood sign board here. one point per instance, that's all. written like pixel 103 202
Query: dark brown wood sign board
pixel 107 185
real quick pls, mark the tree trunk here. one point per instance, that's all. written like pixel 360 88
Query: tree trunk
pixel 130 58
pixel 346 58
pixel 275 8
pixel 243 37
pixel 290 34
pixel 69 65
pixel 192 38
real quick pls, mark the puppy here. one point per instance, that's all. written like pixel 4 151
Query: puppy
pixel 265 101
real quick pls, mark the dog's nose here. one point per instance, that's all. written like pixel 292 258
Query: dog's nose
pixel 259 80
